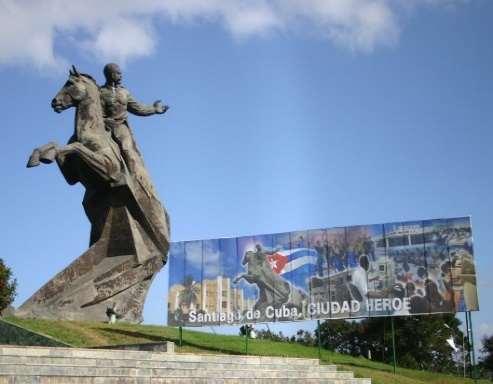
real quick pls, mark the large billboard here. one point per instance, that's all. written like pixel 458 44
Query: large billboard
pixel 394 269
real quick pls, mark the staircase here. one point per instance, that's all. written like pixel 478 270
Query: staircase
pixel 48 365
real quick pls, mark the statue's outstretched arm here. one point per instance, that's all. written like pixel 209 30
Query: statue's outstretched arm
pixel 139 109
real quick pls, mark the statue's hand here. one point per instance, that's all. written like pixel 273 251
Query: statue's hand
pixel 159 107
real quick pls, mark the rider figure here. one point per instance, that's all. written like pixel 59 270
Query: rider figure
pixel 116 102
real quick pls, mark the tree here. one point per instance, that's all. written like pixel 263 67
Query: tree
pixel 304 337
pixel 340 336
pixel 421 341
pixel 8 286
pixel 190 293
pixel 487 360
pixel 269 335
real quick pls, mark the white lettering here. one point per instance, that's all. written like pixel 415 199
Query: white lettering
pixel 294 312
pixel 335 307
pixel 378 304
pixel 345 307
pixel 407 303
pixel 192 316
pixel 312 309
pixel 324 308
pixel 386 305
pixel 285 311
pixel 355 306
pixel 397 304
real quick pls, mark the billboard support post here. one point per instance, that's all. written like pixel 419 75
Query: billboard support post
pixel 246 342
pixel 469 369
pixel 180 336
pixel 393 341
pixel 471 345
pixel 464 354
pixel 319 341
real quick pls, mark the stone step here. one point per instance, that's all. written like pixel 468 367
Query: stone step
pixel 144 355
pixel 48 365
pixel 40 379
pixel 138 363
pixel 68 370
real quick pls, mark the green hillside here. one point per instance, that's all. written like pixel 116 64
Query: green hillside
pixel 91 334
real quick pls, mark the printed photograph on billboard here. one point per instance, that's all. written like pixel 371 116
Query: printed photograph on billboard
pixel 407 267
pixel 367 271
pixel 319 288
pixel 329 289
pixel 437 287
pixel 184 280
pixel 281 262
pixel 394 269
pixel 463 270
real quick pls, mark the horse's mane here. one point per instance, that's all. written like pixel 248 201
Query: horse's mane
pixel 89 77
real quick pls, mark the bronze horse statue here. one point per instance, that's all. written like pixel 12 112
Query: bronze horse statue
pixel 129 237
pixel 91 143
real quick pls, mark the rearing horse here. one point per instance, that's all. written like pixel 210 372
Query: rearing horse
pixel 91 146
pixel 129 228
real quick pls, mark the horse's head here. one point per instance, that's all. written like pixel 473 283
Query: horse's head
pixel 77 88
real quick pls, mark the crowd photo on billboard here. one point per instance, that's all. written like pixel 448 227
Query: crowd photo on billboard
pixel 394 269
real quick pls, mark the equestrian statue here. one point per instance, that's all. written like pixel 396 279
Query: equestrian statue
pixel 129 237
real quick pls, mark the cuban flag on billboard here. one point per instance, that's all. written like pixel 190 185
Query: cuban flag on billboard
pixel 295 265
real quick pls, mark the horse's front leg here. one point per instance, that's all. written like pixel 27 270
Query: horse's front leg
pixel 247 277
pixel 98 162
pixel 45 154
pixel 238 278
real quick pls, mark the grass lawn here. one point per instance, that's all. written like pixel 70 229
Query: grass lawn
pixel 90 334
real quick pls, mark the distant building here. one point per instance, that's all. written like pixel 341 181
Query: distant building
pixel 174 296
pixel 215 295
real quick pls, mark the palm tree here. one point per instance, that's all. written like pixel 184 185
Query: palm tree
pixel 190 293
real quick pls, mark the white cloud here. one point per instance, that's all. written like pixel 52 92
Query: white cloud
pixel 122 30
pixel 244 21
pixel 210 261
pixel 203 255
pixel 356 24
pixel 120 39
pixel 193 251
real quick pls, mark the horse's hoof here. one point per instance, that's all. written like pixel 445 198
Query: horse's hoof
pixel 48 156
pixel 33 159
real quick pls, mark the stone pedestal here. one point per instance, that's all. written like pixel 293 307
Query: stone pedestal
pixel 128 249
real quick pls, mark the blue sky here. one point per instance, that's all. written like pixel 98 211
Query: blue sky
pixel 283 117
